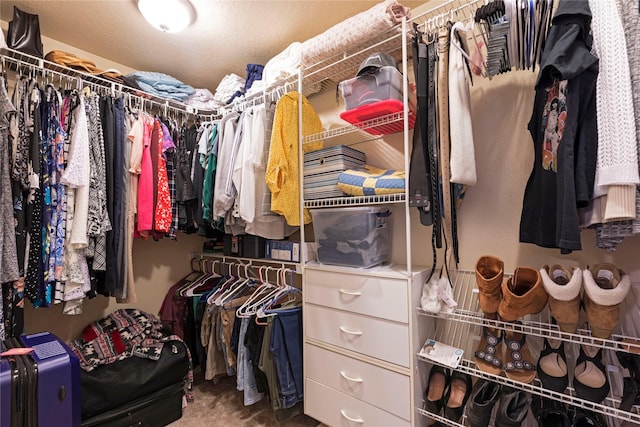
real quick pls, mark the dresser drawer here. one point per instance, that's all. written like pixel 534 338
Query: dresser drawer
pixel 375 296
pixel 380 387
pixel 374 337
pixel 337 409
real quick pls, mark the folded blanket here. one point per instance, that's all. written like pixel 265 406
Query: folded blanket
pixel 162 85
pixel 371 181
pixel 203 99
pixel 228 86
pixel 352 31
pixel 283 64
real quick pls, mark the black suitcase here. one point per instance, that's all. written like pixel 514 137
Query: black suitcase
pixel 114 386
pixel 157 409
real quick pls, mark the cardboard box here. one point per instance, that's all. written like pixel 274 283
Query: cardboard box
pixel 283 250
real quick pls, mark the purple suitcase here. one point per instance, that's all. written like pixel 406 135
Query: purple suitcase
pixel 41 389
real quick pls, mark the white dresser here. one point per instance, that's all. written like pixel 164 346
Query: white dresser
pixel 358 347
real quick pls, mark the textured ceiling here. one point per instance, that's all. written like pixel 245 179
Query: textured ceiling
pixel 225 37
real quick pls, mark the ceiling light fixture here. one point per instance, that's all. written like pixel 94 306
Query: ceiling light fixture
pixel 169 16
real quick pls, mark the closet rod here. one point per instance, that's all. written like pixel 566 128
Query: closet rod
pixel 245 270
pixel 446 10
pixel 20 59
pixel 270 94
pixel 254 262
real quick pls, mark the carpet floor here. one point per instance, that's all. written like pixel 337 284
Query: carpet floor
pixel 221 405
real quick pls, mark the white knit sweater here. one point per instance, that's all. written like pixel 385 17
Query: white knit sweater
pixel 617 153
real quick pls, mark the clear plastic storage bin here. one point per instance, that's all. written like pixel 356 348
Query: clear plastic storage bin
pixel 355 237
pixel 369 88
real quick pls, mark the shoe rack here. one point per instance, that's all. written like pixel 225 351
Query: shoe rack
pixel 463 327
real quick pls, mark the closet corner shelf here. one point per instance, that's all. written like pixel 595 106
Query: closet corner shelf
pixel 608 409
pixel 357 133
pixel 466 294
pixel 355 201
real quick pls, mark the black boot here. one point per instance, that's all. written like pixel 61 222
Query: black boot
pixel 585 418
pixel 513 408
pixel 549 412
pixel 483 398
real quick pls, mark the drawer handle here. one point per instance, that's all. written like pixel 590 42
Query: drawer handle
pixel 353 420
pixel 348 378
pixel 347 331
pixel 353 294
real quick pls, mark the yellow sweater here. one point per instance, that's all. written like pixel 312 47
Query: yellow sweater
pixel 282 167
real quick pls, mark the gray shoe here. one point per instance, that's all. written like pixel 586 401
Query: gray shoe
pixel 483 397
pixel 513 408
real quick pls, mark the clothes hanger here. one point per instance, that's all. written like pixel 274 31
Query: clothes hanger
pixel 223 286
pixel 236 289
pixel 284 290
pixel 208 277
pixel 455 41
pixel 261 294
pixel 197 273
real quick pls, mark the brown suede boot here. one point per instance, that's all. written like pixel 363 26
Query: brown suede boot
pixel 489 272
pixel 563 286
pixel 522 294
pixel 605 287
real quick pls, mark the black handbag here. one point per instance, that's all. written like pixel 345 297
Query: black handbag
pixel 24 33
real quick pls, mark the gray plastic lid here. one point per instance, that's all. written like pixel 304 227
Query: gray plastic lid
pixel 376 61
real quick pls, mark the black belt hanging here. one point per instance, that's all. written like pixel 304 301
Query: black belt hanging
pixel 433 144
pixel 419 171
pixel 424 156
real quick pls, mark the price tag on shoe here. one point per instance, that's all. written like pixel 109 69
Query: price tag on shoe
pixel 441 353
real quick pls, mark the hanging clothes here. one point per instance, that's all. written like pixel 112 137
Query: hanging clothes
pixel 611 234
pixel 11 283
pixel 563 128
pixel 227 130
pixel 617 162
pixel 162 200
pixel 98 221
pixel 122 292
pixel 186 196
pixel 117 167
pixel 283 163
pixel 135 137
pixel 210 174
pixel 9 268
pixel 35 288
pixel 463 160
pixel 107 282
pixel 168 153
pixel 255 200
pixel 54 136
pixel 145 182
pixel 77 177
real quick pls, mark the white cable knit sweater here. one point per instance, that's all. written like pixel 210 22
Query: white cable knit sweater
pixel 617 153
